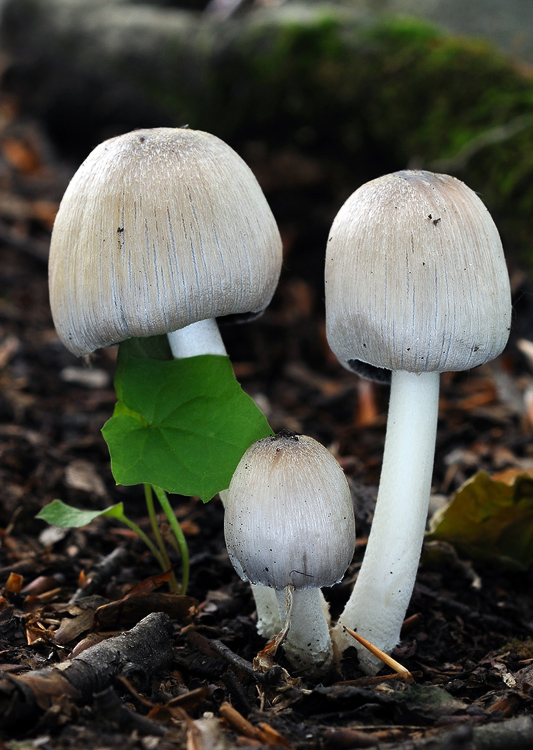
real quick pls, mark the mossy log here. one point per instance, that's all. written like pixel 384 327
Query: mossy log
pixel 362 94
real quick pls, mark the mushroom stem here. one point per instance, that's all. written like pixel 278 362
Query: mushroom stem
pixel 378 603
pixel 202 337
pixel 307 644
pixel 266 606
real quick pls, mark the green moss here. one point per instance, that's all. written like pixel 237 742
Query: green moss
pixel 523 649
pixel 412 31
pixel 303 45
pixel 437 92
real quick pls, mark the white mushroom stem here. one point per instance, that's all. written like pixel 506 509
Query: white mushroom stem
pixel 379 601
pixel 202 337
pixel 307 644
pixel 269 621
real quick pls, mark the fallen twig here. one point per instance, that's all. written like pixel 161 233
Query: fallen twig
pixel 271 677
pixel 146 647
pixel 401 671
pixel 102 572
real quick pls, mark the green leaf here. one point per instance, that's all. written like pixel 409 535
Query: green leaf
pixel 122 410
pixel 150 347
pixel 182 425
pixel 490 520
pixel 58 513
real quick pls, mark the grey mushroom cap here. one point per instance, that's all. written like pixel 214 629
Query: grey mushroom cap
pixel 159 229
pixel 416 277
pixel 289 515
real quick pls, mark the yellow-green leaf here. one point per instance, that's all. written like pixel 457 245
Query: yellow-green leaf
pixel 58 513
pixel 490 520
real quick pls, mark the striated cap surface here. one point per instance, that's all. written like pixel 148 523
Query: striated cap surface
pixel 289 514
pixel 416 277
pixel 158 229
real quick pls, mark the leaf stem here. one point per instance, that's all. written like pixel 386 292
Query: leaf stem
pixel 140 533
pixel 178 533
pixel 173 584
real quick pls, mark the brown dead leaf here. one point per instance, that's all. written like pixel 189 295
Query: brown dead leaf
pixel 149 584
pixel 20 155
pixel 189 528
pixel 14 583
pixel 367 412
pixel 509 475
pixel 47 689
pixel 71 628
pixel 36 631
pixel 80 618
pixel 132 608
pixel 482 397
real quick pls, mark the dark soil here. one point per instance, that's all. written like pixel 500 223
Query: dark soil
pixel 470 648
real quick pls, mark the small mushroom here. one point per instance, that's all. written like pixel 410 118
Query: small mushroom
pixel 289 525
pixel 161 231
pixel 416 284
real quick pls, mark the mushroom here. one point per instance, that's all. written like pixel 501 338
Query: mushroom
pixel 161 231
pixel 416 285
pixel 289 525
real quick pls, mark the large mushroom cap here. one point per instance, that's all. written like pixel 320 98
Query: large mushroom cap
pixel 416 277
pixel 159 229
pixel 289 514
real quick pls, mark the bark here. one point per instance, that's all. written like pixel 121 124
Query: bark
pixel 137 653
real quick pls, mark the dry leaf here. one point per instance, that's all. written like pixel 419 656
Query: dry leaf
pixel 490 520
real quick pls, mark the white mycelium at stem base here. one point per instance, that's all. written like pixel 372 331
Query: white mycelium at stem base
pixel 289 524
pixel 416 284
